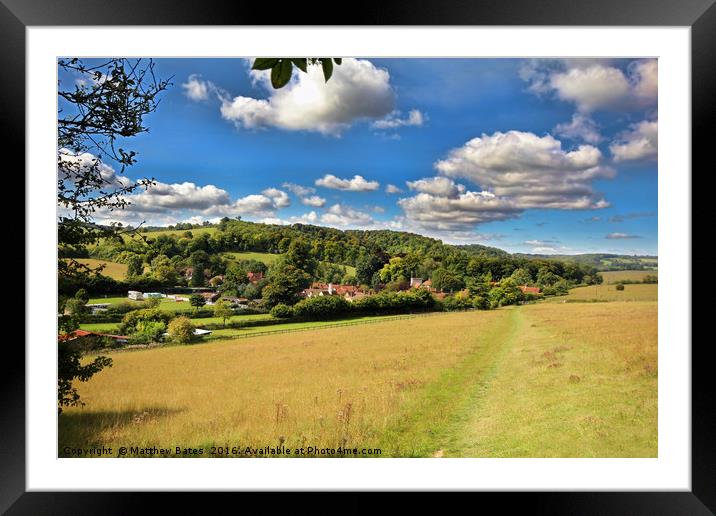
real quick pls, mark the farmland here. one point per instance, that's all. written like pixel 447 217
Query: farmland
pixel 611 277
pixel 114 270
pixel 637 292
pixel 549 380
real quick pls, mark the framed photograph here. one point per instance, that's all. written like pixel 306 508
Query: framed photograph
pixel 455 255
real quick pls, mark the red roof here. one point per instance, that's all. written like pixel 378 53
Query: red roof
pixel 255 276
pixel 84 333
pixel 529 290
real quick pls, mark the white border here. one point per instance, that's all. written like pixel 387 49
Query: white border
pixel 671 471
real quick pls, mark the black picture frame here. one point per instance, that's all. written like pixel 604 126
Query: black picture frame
pixel 17 15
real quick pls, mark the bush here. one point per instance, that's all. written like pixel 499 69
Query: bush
pixel 321 307
pixel 153 329
pixel 620 286
pixel 181 329
pixel 82 296
pixel 132 321
pixel 481 303
pixel 75 307
pixel 457 303
pixel 281 311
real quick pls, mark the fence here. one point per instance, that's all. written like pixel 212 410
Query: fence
pixel 338 324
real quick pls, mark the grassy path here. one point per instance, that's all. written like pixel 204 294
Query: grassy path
pixel 435 422
pixel 575 380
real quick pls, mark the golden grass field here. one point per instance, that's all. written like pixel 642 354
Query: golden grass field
pixel 635 292
pixel 114 270
pixel 565 380
pixel 615 276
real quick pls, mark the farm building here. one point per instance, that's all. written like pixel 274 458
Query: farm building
pixel 322 289
pixel 209 297
pixel 529 290
pixel 236 302
pixel 255 277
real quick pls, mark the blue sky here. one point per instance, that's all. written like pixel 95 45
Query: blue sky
pixel 546 156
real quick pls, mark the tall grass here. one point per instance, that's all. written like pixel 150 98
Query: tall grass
pixel 326 388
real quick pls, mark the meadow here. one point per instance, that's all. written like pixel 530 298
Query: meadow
pixel 546 380
pixel 114 270
pixel 611 277
pixel 634 292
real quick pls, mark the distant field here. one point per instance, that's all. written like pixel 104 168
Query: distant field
pixel 637 292
pixel 180 232
pixel 168 305
pixel 611 277
pixel 114 270
pixel 199 322
pixel 542 380
pixel 228 333
pixel 267 258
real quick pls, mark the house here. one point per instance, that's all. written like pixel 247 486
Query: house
pixel 313 292
pixel 415 282
pixel 428 285
pixel 209 297
pixel 236 302
pixel 322 289
pixel 355 296
pixel 135 295
pixel 119 339
pixel 255 277
pixel 529 290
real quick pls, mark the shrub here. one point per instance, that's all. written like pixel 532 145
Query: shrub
pixel 481 303
pixel 457 303
pixel 281 311
pixel 181 329
pixel 82 295
pixel 152 329
pixel 620 286
pixel 75 307
pixel 321 307
pixel 132 320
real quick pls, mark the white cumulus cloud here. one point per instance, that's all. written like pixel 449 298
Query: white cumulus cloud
pixel 441 186
pixel 342 216
pixel 581 127
pixel 594 84
pixel 640 142
pixel 357 90
pixel 415 119
pixel 314 200
pixel 534 171
pixel 356 184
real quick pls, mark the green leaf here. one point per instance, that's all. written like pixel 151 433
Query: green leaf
pixel 338 60
pixel 301 63
pixel 327 65
pixel 281 73
pixel 264 63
